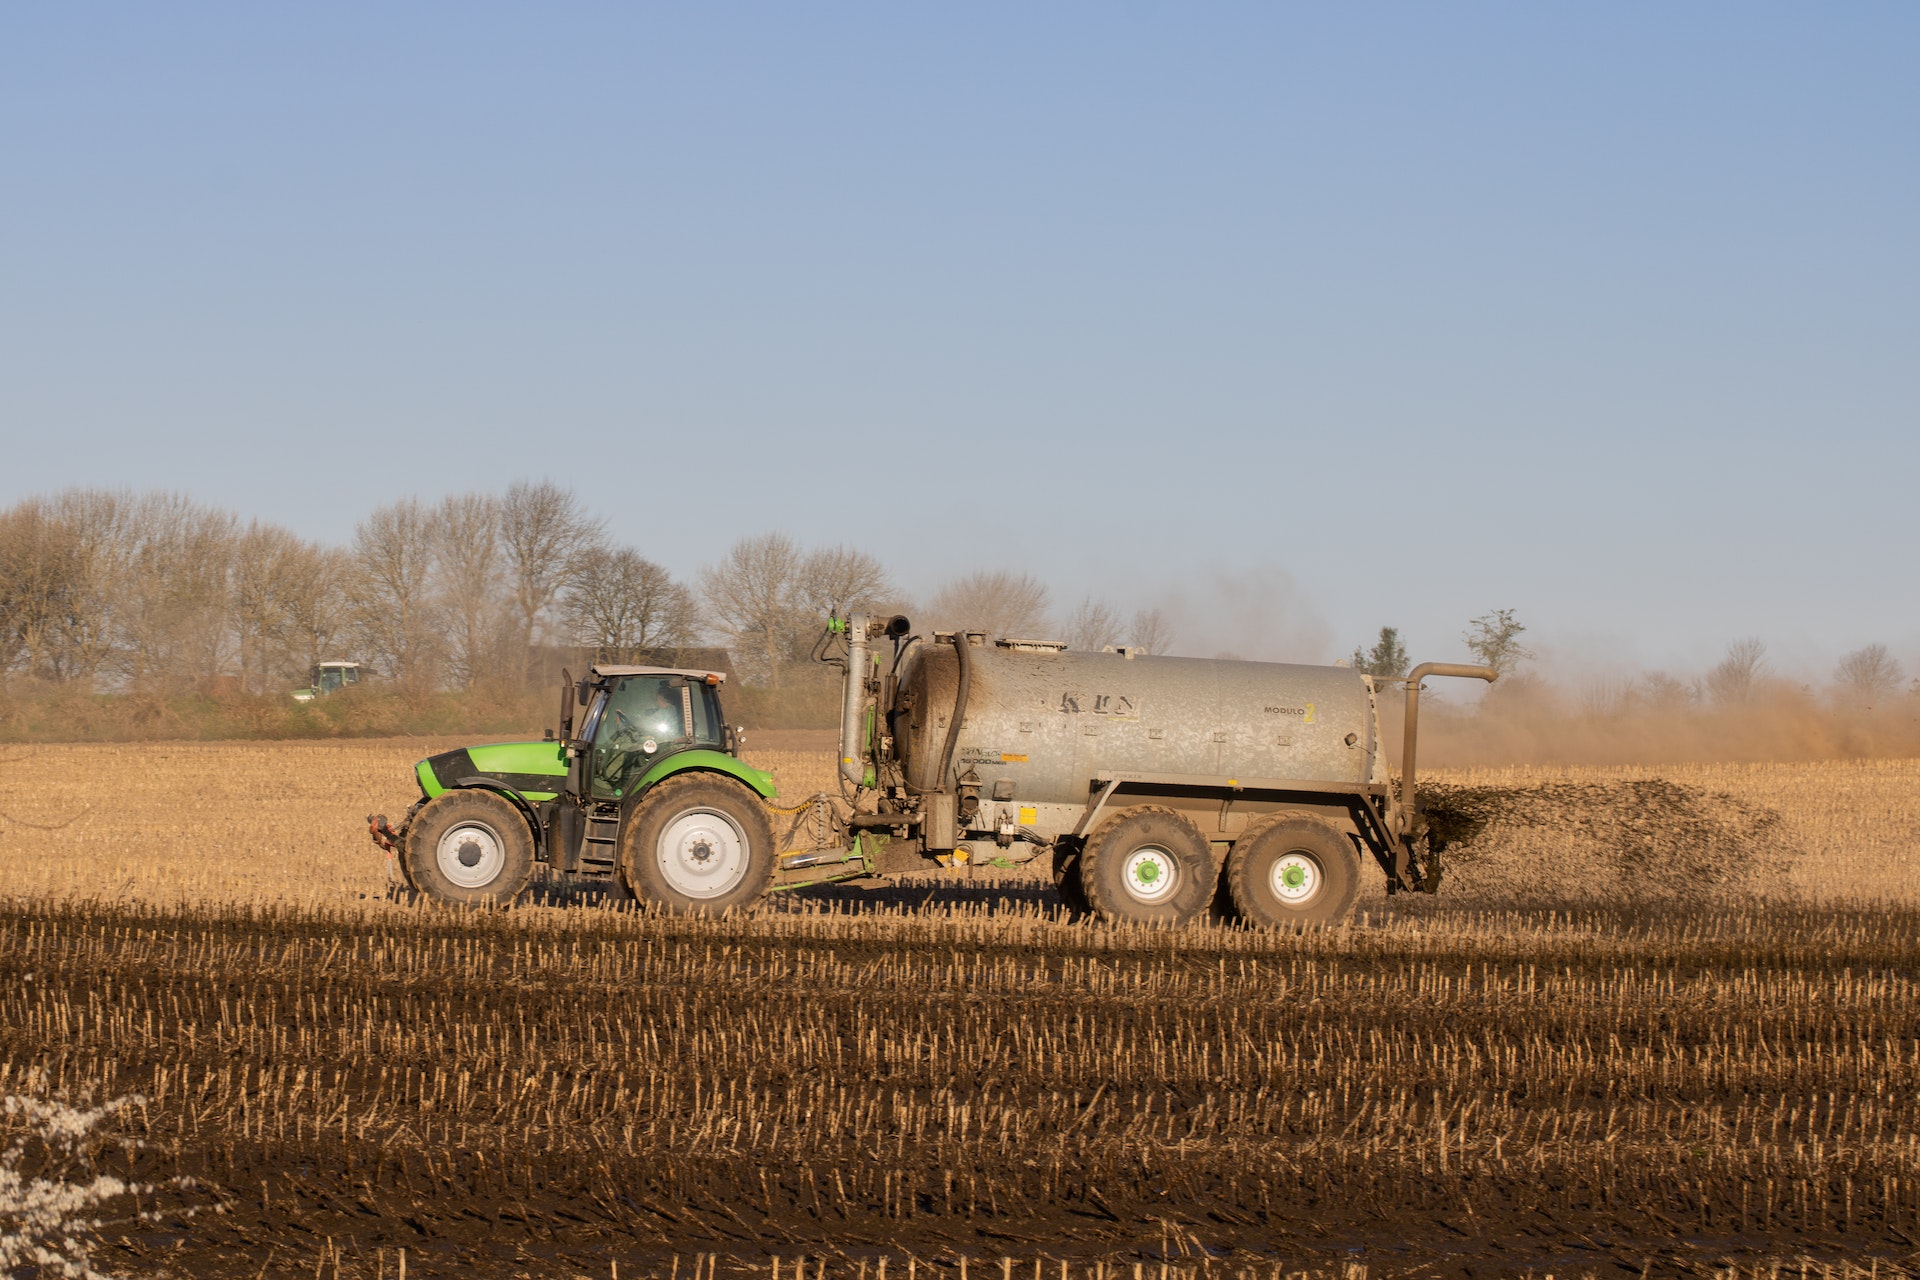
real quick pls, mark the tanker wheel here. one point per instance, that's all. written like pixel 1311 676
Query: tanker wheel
pixel 1066 879
pixel 1147 865
pixel 698 844
pixel 469 847
pixel 1294 872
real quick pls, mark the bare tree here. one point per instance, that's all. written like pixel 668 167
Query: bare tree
pixel 754 593
pixel 466 531
pixel 315 604
pixel 1094 626
pixel 1658 689
pixel 263 556
pixel 836 582
pixel 1604 696
pixel 620 600
pixel 1734 678
pixel 42 575
pixel 544 532
pixel 1494 638
pixel 1867 676
pixel 393 558
pixel 84 638
pixel 999 603
pixel 172 589
pixel 1152 631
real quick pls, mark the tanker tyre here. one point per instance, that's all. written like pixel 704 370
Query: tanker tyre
pixel 1294 872
pixel 1147 865
pixel 698 844
pixel 470 848
pixel 1066 880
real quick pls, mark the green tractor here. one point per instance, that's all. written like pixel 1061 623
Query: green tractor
pixel 327 677
pixel 651 788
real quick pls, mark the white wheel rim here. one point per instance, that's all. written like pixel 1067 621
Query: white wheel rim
pixel 703 853
pixel 470 855
pixel 1295 877
pixel 1151 874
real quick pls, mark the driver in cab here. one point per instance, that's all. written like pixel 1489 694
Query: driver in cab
pixel 663 720
pixel 645 714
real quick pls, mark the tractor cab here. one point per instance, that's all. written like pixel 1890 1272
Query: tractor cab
pixel 327 677
pixel 634 717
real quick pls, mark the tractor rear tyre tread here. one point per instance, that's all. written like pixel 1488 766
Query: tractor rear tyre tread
pixel 470 848
pixel 1294 871
pixel 1128 862
pixel 698 844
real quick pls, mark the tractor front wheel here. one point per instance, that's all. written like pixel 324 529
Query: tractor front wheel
pixel 469 847
pixel 698 844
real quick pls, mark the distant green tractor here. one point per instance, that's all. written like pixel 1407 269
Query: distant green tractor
pixel 651 787
pixel 326 678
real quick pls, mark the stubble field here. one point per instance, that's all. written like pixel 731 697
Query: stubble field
pixel 1660 1021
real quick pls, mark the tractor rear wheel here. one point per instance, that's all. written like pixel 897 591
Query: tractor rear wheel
pixel 1148 865
pixel 1294 872
pixel 698 844
pixel 469 847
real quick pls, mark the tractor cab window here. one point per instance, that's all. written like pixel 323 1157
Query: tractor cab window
pixel 642 718
pixel 708 726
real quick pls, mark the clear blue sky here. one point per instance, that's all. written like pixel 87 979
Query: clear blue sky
pixel 1304 319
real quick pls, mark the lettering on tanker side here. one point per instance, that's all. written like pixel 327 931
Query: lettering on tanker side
pixel 1109 706
pixel 1304 714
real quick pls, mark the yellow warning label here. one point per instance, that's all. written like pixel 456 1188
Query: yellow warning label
pixel 1012 759
pixel 1028 816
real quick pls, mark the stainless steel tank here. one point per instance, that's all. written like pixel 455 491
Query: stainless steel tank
pixel 1040 722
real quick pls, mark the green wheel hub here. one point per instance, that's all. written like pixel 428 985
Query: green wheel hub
pixel 1296 877
pixel 1152 874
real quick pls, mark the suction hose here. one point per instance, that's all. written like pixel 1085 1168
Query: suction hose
pixel 961 647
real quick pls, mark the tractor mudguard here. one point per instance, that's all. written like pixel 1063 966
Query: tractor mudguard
pixel 713 762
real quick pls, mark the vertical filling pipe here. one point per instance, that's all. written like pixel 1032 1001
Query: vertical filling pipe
pixel 853 709
pixel 1408 755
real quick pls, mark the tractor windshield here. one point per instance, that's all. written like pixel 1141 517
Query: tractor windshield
pixel 643 718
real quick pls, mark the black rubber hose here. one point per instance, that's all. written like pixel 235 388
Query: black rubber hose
pixel 960 646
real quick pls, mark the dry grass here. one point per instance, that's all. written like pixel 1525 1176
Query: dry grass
pixel 1657 1082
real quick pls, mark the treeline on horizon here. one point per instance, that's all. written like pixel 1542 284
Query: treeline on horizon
pixel 149 614
pixel 132 614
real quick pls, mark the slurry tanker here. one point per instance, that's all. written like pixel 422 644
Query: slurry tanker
pixel 1155 788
